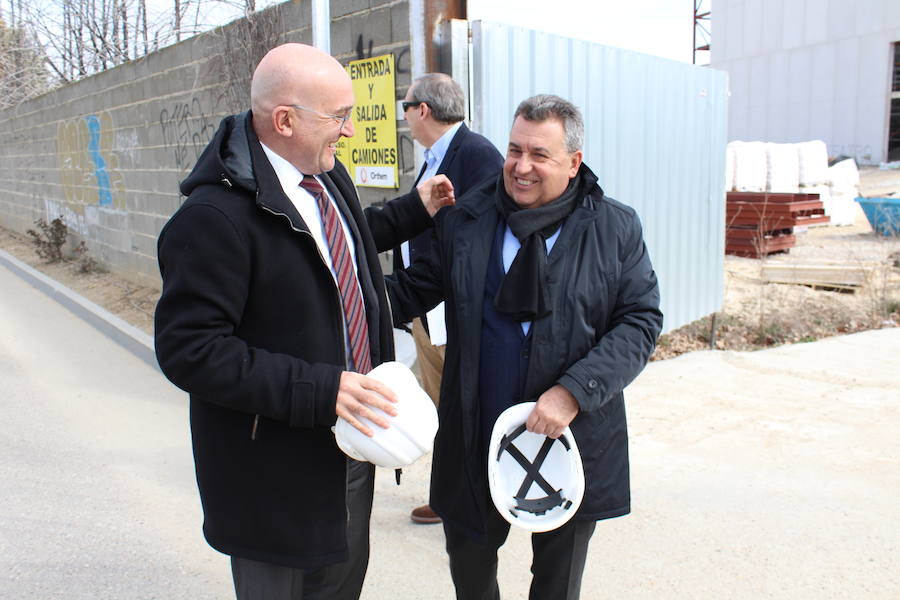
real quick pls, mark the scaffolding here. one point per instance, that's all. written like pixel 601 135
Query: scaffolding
pixel 701 27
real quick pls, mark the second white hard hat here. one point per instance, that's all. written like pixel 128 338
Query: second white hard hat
pixel 536 483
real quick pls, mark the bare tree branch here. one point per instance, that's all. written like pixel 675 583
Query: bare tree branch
pixel 71 39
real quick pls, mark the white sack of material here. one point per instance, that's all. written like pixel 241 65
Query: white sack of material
pixel 750 167
pixel 813 160
pixel 843 177
pixel 842 208
pixel 729 166
pixel 843 180
pixel 782 168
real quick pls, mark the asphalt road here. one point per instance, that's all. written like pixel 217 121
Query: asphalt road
pixel 98 498
pixel 771 474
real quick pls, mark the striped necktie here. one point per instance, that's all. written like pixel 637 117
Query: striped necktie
pixel 354 310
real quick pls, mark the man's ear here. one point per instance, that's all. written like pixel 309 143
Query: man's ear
pixel 425 109
pixel 576 157
pixel 283 121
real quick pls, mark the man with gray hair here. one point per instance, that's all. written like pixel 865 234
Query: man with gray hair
pixel 434 108
pixel 551 297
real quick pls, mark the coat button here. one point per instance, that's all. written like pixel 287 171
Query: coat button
pixel 592 384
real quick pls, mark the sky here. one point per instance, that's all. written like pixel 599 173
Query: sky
pixel 659 27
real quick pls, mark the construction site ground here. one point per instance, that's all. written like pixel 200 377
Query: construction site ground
pixel 768 474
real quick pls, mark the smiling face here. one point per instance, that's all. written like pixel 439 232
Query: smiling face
pixel 299 96
pixel 538 165
pixel 317 133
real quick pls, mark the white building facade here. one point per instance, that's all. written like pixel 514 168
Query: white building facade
pixel 812 69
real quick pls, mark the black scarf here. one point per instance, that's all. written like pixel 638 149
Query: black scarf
pixel 524 294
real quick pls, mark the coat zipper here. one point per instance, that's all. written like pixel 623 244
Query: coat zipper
pixel 255 426
pixel 343 344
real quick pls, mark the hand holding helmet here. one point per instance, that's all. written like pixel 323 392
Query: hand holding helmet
pixel 553 412
pixel 364 399
pixel 411 421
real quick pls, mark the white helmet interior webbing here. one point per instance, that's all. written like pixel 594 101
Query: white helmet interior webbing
pixel 536 482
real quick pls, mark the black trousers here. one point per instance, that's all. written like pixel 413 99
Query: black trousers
pixel 556 567
pixel 254 580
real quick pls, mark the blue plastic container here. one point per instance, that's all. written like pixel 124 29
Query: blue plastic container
pixel 883 214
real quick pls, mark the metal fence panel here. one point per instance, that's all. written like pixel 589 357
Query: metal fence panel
pixel 655 134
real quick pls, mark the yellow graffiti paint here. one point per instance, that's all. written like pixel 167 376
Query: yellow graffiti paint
pixel 88 167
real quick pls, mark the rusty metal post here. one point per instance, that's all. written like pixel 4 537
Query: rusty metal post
pixel 438 12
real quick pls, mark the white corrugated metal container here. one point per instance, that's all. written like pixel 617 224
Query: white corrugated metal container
pixel 655 134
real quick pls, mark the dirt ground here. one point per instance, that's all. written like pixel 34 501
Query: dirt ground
pixel 755 314
pixel 131 302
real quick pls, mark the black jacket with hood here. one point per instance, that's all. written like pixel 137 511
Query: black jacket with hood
pixel 250 324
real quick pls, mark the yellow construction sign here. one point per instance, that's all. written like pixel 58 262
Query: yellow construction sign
pixel 371 155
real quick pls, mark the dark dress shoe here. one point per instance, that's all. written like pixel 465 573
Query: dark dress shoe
pixel 424 515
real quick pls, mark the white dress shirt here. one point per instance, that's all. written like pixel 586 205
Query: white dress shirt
pixel 290 177
pixel 434 156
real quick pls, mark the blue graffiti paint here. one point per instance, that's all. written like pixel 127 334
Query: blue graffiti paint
pixel 104 191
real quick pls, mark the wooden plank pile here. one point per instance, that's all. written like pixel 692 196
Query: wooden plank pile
pixel 762 223
pixel 819 276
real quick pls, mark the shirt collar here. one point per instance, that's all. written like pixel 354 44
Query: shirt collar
pixel 439 148
pixel 288 175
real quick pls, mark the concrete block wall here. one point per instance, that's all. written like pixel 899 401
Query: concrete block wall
pixel 365 28
pixel 107 153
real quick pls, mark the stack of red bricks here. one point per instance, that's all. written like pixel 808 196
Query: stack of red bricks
pixel 761 223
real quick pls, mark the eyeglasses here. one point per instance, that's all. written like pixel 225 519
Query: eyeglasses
pixel 337 118
pixel 407 105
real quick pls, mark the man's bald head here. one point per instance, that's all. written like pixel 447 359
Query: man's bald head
pixel 293 74
pixel 297 95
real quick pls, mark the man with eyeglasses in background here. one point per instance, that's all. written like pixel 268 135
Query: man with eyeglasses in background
pixel 434 109
pixel 273 308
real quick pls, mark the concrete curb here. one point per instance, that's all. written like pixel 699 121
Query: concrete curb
pixel 126 335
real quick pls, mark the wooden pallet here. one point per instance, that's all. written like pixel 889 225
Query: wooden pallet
pixel 761 223
pixel 842 277
pixel 775 216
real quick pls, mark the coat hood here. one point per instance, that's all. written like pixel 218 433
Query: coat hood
pixel 227 158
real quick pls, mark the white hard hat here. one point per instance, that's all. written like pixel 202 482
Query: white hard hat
pixel 536 482
pixel 411 433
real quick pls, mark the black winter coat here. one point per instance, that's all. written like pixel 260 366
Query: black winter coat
pixel 250 324
pixel 603 327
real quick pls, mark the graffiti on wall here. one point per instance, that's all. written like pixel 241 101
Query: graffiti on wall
pixel 186 130
pixel 364 50
pixel 88 167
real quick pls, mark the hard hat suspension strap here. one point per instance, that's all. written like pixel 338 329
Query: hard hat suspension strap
pixel 553 498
